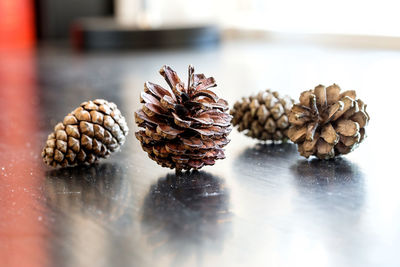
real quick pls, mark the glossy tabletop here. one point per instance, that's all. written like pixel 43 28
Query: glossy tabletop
pixel 263 205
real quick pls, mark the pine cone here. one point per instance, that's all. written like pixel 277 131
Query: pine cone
pixel 327 123
pixel 91 131
pixel 184 127
pixel 264 116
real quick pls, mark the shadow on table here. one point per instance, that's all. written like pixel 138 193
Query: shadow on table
pixel 100 191
pixel 187 214
pixel 261 154
pixel 264 166
pixel 332 183
pixel 325 172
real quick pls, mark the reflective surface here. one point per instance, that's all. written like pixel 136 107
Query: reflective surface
pixel 262 206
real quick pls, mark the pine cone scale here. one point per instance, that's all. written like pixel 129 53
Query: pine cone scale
pixel 157 90
pixel 329 134
pixel 297 133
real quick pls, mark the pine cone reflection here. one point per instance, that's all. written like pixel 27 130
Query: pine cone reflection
pixel 334 189
pixel 262 169
pixel 99 191
pixel 186 211
pixel 262 156
pixel 339 171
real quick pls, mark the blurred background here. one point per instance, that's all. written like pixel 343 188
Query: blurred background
pixel 262 205
pixel 111 24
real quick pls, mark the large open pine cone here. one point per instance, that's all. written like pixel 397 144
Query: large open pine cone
pixel 327 123
pixel 92 131
pixel 264 116
pixel 184 127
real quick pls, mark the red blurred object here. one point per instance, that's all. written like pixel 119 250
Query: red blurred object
pixel 17 25
pixel 22 233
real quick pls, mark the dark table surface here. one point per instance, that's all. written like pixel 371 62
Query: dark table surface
pixel 262 206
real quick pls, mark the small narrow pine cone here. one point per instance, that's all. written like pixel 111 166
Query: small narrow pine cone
pixel 183 127
pixel 327 123
pixel 264 116
pixel 92 131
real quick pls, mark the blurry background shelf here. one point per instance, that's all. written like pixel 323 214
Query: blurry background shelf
pixel 107 33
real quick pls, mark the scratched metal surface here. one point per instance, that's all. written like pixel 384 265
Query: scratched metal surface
pixel 263 205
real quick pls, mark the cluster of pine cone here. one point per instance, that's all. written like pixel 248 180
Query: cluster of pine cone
pixel 325 123
pixel 186 126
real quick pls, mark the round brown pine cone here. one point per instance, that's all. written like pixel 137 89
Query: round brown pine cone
pixel 184 127
pixel 92 131
pixel 327 123
pixel 264 116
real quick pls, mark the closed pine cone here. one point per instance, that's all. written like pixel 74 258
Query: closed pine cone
pixel 92 131
pixel 327 123
pixel 184 127
pixel 264 116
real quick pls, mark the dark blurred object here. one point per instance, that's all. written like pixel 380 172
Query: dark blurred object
pixel 16 24
pixel 54 17
pixel 106 33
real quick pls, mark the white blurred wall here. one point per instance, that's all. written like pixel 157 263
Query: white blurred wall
pixel 363 17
